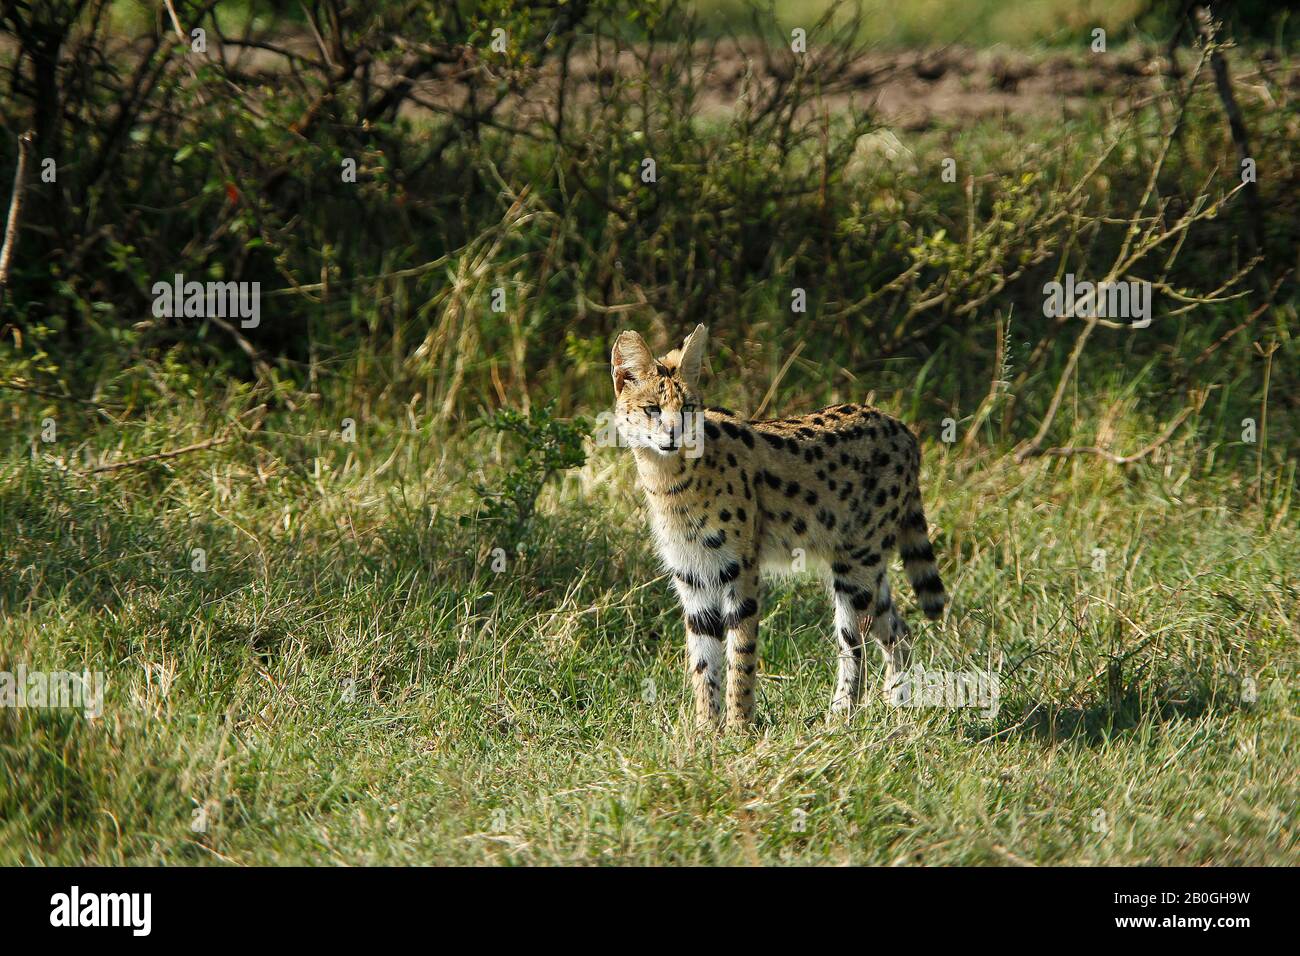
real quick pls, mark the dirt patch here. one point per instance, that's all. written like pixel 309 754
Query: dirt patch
pixel 915 90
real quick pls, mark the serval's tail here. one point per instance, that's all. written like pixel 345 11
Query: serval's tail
pixel 918 558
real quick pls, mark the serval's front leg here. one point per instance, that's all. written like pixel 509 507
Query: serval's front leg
pixel 702 607
pixel 741 613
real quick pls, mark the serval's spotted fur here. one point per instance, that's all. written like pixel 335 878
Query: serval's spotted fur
pixel 730 497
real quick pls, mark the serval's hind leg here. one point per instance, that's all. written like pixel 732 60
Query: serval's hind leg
pixel 891 633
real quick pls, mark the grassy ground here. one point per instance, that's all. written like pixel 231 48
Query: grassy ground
pixel 349 681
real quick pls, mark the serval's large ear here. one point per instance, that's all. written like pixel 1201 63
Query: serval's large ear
pixel 630 360
pixel 693 355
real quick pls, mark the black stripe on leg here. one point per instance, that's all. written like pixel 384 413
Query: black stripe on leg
pixel 747 609
pixel 707 623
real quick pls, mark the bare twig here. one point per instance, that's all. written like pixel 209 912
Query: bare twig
pixel 29 389
pixel 15 210
pixel 217 440
pixel 1208 29
pixel 1110 456
pixel 771 391
pixel 160 456
pixel 1126 257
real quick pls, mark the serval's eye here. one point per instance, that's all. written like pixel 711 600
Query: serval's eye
pixel 652 411
pixel 688 409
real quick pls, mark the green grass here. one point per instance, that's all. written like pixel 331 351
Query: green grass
pixel 349 682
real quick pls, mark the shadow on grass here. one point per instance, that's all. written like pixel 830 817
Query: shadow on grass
pixel 1118 710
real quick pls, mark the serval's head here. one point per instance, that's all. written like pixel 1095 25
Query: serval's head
pixel 658 404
